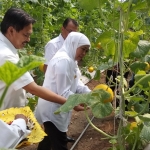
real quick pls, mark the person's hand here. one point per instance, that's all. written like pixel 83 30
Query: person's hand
pixel 21 116
pixel 80 107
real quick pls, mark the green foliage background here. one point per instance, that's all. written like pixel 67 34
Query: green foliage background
pixel 98 19
pixel 123 30
pixel 50 15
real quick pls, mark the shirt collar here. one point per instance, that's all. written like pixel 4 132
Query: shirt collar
pixel 61 39
pixel 8 43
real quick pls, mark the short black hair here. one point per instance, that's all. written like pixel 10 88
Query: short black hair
pixel 67 20
pixel 16 18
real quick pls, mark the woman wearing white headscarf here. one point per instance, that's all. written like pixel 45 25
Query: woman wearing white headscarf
pixel 62 78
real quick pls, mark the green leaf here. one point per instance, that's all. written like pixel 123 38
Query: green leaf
pixel 139 5
pixel 129 47
pixel 97 75
pixel 148 3
pixel 145 82
pixel 130 113
pixel 138 107
pixel 30 61
pixel 107 43
pixel 109 48
pixel 147 58
pixel 136 66
pixel 113 141
pixel 89 4
pixel 9 72
pixel 34 1
pixel 145 118
pixel 93 99
pixel 141 50
pixel 104 66
pixel 73 101
pixel 131 42
pixel 136 98
pixel 145 133
pixel 101 110
pixel 32 102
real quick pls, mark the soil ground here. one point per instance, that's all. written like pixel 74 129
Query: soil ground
pixel 90 139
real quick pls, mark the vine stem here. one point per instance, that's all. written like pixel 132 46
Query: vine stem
pixel 143 110
pixel 99 130
pixel 127 16
pixel 121 140
pixel 3 95
pixel 139 81
pixel 136 138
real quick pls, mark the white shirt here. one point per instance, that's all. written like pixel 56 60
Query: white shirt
pixel 15 96
pixel 64 85
pixel 52 47
pixel 11 135
pixel 62 78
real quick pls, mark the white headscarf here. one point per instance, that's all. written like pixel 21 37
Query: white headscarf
pixel 71 43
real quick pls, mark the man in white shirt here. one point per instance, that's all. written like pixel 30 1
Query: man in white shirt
pixel 16 28
pixel 12 134
pixel 55 44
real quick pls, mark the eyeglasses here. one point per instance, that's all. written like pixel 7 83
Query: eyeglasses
pixel 68 30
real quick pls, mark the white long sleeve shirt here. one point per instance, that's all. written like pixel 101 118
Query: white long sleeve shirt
pixel 11 135
pixel 62 79
pixel 15 96
pixel 52 47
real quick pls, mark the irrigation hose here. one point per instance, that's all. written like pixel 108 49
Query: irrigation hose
pixel 73 146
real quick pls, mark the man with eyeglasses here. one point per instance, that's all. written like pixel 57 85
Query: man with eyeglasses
pixel 55 44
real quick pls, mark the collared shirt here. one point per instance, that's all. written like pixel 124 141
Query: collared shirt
pixel 52 47
pixel 64 84
pixel 15 96
pixel 12 134
pixel 61 77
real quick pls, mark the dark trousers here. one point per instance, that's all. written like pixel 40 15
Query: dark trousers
pixel 56 140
